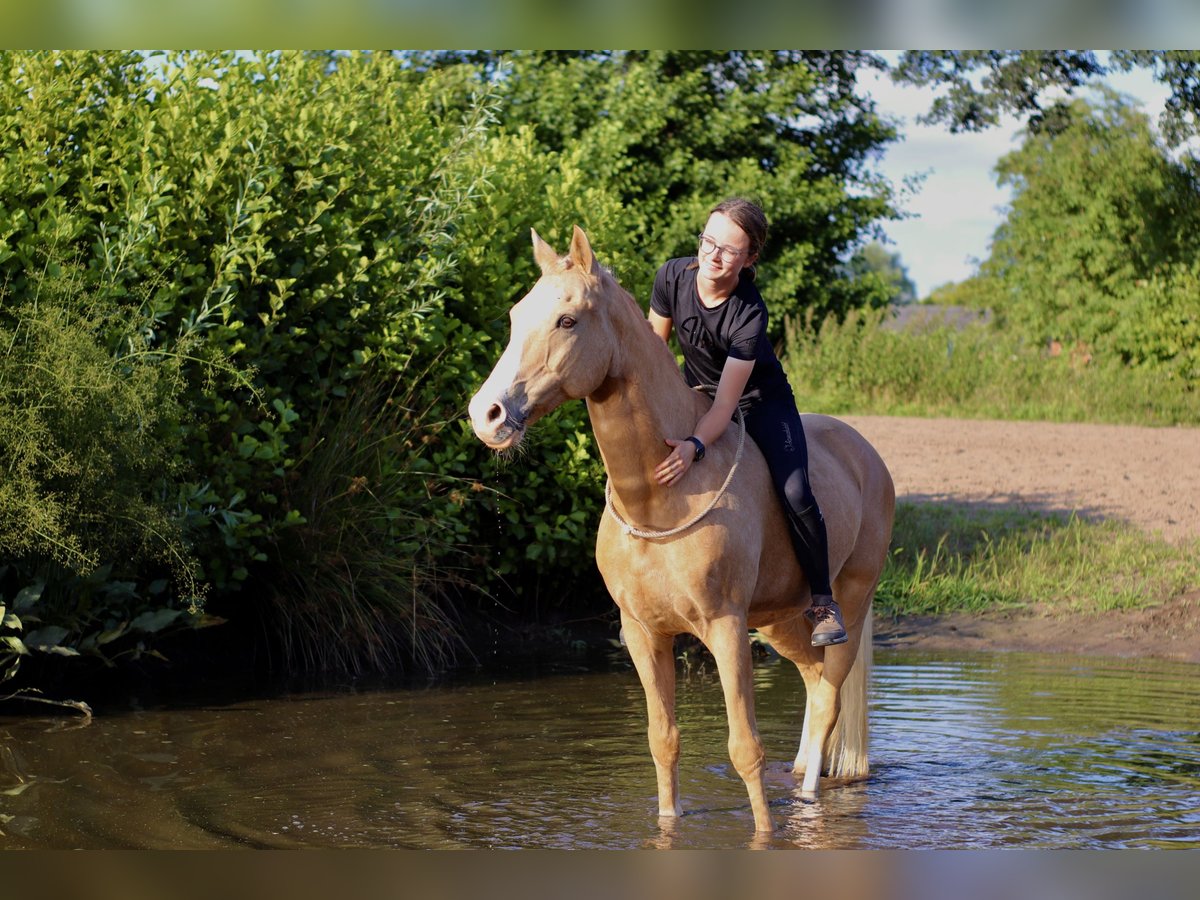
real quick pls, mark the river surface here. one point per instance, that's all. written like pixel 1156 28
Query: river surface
pixel 968 751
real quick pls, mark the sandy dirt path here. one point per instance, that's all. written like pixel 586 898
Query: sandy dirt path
pixel 1146 476
pixel 1149 477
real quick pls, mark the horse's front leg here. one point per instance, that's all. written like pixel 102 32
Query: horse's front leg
pixel 653 656
pixel 730 646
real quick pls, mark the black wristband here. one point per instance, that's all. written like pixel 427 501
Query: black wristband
pixel 699 448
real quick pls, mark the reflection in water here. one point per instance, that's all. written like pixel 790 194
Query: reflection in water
pixel 969 751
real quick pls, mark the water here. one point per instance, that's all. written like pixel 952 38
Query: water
pixel 968 751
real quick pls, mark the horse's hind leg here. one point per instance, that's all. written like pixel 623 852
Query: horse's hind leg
pixel 727 641
pixel 654 658
pixel 823 672
pixel 811 673
pixel 793 641
pixel 824 704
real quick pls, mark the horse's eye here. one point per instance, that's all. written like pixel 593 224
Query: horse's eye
pixel 566 322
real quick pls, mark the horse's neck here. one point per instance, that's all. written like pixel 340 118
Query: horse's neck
pixel 643 401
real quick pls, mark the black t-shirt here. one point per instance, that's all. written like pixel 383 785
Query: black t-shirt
pixel 737 328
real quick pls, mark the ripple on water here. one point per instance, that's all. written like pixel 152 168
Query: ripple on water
pixel 969 751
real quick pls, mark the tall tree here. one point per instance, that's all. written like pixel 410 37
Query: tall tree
pixel 983 84
pixel 876 261
pixel 674 132
pixel 1102 218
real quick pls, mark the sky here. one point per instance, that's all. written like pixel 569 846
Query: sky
pixel 958 206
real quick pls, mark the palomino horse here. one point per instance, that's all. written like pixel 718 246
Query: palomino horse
pixel 578 334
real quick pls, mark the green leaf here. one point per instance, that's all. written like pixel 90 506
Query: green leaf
pixel 150 622
pixel 28 596
pixel 60 651
pixel 106 637
pixel 45 638
pixel 12 669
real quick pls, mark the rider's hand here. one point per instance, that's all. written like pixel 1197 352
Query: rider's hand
pixel 678 461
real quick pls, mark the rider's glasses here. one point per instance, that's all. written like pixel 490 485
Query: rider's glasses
pixel 709 247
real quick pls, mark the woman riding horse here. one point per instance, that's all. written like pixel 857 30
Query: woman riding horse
pixel 721 325
pixel 710 554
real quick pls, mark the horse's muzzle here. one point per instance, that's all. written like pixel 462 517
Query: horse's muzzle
pixel 497 425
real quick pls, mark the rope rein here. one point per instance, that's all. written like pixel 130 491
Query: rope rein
pixel 656 535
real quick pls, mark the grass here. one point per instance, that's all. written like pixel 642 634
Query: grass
pixel 974 372
pixel 972 559
pixel 362 583
pixel 957 558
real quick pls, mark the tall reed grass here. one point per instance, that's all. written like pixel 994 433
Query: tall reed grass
pixel 860 365
pixel 362 583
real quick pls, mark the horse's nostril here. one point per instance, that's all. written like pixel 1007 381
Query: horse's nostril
pixel 495 414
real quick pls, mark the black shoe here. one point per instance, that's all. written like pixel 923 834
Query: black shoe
pixel 828 627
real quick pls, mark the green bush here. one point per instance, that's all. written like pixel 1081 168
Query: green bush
pixel 1099 245
pixel 92 554
pixel 670 133
pixel 1163 335
pixel 537 525
pixel 367 579
pixel 295 233
pixel 246 299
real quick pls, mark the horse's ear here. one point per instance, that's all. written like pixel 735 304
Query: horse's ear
pixel 543 254
pixel 581 252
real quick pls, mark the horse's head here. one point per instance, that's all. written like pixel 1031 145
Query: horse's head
pixel 560 347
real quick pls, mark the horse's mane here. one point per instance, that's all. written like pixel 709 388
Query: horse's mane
pixel 607 277
pixel 610 282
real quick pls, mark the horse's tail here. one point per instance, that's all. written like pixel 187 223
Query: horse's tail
pixel 848 743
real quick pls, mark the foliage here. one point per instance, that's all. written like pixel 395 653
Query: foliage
pixel 274 227
pixel 865 364
pixel 1162 331
pixel 1098 249
pixel 91 549
pixel 364 579
pixel 96 615
pixel 974 293
pixel 81 431
pixel 1013 81
pixel 298 218
pixel 875 261
pixel 671 133
pixel 983 84
pixel 247 297
pixel 1100 242
pixel 958 558
pixel 536 531
pixel 1180 71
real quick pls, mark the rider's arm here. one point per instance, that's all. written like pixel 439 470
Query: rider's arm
pixel 660 325
pixel 712 424
pixel 734 376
